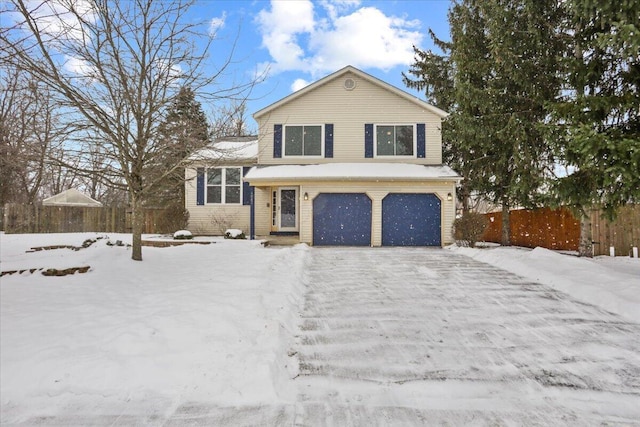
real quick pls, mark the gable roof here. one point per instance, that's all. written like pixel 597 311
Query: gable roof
pixel 362 75
pixel 71 197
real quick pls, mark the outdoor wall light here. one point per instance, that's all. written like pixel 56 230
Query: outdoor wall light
pixel 449 196
pixel 306 196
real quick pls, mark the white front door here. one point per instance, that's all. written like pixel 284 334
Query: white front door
pixel 287 209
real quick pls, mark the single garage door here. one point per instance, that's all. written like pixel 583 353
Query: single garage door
pixel 342 219
pixel 411 220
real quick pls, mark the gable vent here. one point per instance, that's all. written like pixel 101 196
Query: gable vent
pixel 349 84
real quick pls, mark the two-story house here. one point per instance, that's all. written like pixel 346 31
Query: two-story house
pixel 348 160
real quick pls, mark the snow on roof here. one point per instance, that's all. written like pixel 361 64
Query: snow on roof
pixel 71 197
pixel 352 171
pixel 229 149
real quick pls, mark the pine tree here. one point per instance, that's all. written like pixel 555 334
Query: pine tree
pixel 502 59
pixel 599 117
pixel 184 130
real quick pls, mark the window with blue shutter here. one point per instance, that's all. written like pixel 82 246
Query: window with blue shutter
pixel 420 140
pixel 246 188
pixel 328 140
pixel 368 140
pixel 277 141
pixel 200 187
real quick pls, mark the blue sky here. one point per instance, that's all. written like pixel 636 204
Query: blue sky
pixel 292 42
pixel 301 41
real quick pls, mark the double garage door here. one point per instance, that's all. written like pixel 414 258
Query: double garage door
pixel 407 219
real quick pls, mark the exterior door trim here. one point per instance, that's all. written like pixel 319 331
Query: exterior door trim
pixel 281 221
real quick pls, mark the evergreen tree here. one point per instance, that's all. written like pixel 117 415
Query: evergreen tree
pixel 599 117
pixel 184 130
pixel 502 59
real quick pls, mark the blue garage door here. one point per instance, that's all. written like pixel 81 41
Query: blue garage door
pixel 411 220
pixel 342 219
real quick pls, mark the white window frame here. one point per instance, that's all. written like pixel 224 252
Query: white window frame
pixel 303 156
pixel 223 186
pixel 394 156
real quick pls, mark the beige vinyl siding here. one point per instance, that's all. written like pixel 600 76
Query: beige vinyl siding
pixel 348 111
pixel 263 210
pixel 376 192
pixel 212 220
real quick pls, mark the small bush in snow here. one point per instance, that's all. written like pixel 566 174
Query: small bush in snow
pixel 183 235
pixel 234 233
pixel 469 228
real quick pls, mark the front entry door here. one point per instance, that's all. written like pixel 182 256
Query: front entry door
pixel 288 209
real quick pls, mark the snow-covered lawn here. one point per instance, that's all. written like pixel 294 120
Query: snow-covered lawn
pixel 195 332
pixel 189 323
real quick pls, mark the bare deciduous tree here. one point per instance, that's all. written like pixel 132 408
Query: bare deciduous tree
pixel 115 67
pixel 230 120
pixel 29 131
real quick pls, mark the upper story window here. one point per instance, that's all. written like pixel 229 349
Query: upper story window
pixel 303 140
pixel 224 185
pixel 395 140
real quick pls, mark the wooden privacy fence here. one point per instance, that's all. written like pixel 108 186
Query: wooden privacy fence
pixel 560 230
pixel 20 218
pixel 622 234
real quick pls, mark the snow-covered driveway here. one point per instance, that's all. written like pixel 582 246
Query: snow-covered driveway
pixel 417 336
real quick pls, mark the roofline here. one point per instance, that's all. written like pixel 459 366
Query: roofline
pixel 435 110
pixel 351 179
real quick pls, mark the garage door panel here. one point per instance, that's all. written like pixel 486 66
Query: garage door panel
pixel 411 220
pixel 342 219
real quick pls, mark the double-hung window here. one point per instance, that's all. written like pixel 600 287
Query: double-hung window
pixel 224 185
pixel 303 140
pixel 395 140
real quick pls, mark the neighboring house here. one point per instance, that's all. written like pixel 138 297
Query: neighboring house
pixel 349 160
pixel 71 197
pixel 215 196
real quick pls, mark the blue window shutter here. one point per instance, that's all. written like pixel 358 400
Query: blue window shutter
pixel 368 140
pixel 328 140
pixel 420 137
pixel 200 187
pixel 246 188
pixel 277 141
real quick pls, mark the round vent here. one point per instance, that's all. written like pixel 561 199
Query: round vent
pixel 349 84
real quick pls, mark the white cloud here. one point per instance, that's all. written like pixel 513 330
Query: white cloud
pixel 299 84
pixel 280 28
pixel 334 7
pixel 300 40
pixel 58 20
pixel 79 67
pixel 216 24
pixel 365 38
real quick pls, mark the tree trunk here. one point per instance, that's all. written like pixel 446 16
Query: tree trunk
pixel 506 225
pixel 585 248
pixel 137 224
pixel 464 196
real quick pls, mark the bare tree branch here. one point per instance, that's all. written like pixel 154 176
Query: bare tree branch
pixel 114 68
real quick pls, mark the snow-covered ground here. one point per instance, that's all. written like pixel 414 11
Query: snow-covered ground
pixel 189 323
pixel 213 328
pixel 611 283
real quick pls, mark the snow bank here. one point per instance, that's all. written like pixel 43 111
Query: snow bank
pixel 189 323
pixel 610 283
